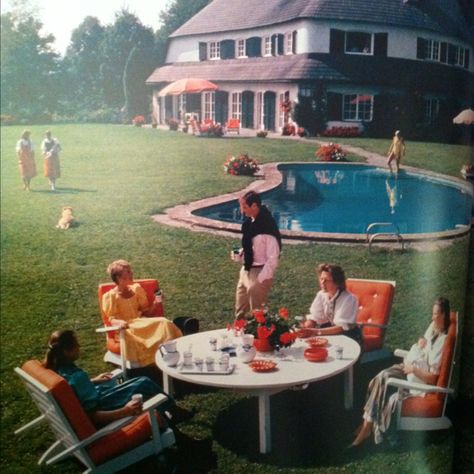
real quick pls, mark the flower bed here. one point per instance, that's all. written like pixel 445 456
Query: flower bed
pixel 138 120
pixel 342 132
pixel 241 164
pixel 331 152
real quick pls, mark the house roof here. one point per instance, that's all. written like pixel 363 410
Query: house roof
pixel 380 71
pixel 224 15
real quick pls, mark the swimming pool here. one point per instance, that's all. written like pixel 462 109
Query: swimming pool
pixel 347 198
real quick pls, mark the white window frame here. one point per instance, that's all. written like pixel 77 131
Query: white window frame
pixel 355 112
pixel 431 110
pixel 288 43
pixel 459 56
pixel 432 52
pixel 368 53
pixel 259 109
pixel 208 105
pixel 236 105
pixel 267 45
pixel 241 48
pixel 214 50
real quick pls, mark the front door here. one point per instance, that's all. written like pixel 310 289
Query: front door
pixel 247 109
pixel 269 99
pixel 222 107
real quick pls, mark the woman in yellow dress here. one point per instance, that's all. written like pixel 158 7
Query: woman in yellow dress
pixel 26 159
pixel 125 305
pixel 396 151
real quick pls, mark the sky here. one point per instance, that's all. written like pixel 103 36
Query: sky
pixel 61 17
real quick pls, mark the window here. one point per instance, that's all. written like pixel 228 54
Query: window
pixel 358 42
pixel 432 50
pixel 358 107
pixel 236 104
pixel 459 56
pixel 241 48
pixel 289 43
pixel 214 50
pixel 431 111
pixel 208 102
pixel 267 46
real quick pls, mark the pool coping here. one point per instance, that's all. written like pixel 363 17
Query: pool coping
pixel 270 177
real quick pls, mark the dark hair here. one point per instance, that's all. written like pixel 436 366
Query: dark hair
pixel 59 342
pixel 336 272
pixel 444 306
pixel 251 197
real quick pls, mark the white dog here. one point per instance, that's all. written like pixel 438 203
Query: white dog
pixel 66 218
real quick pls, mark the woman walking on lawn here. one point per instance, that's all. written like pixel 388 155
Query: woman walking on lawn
pixel 396 151
pixel 377 410
pixel 26 159
pixel 51 148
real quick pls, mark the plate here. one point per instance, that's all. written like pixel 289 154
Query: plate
pixel 260 365
pixel 316 354
pixel 317 341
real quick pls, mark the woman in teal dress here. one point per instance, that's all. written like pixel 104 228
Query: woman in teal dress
pixel 103 398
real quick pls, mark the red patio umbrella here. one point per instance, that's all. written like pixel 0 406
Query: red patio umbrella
pixel 189 85
pixel 361 98
pixel 466 117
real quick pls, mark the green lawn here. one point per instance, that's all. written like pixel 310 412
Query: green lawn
pixel 115 177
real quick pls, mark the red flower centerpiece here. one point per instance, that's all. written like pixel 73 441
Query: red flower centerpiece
pixel 271 331
pixel 241 164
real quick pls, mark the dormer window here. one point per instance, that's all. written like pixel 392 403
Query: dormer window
pixel 241 50
pixel 214 50
pixel 358 42
pixel 432 50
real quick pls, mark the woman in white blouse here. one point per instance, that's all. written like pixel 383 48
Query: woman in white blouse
pixel 378 410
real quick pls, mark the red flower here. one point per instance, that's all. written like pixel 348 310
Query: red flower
pixel 240 324
pixel 264 333
pixel 283 312
pixel 287 338
pixel 259 315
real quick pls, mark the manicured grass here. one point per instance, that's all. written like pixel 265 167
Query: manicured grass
pixel 115 177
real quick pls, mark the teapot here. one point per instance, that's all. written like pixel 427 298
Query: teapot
pixel 169 353
pixel 247 352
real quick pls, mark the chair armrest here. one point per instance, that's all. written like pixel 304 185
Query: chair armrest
pixel 116 373
pixel 148 406
pixel 400 353
pixel 422 387
pixel 372 325
pixel 108 329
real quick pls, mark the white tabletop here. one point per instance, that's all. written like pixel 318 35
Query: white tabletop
pixel 292 369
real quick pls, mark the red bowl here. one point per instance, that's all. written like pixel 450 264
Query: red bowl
pixel 317 341
pixel 316 354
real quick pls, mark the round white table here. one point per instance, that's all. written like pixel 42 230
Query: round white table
pixel 293 370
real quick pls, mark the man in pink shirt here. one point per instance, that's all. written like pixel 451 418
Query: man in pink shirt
pixel 260 252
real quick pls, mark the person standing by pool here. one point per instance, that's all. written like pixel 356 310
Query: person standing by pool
pixel 51 148
pixel 260 252
pixel 396 151
pixel 334 309
pixel 25 153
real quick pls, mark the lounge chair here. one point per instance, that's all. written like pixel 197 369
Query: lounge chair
pixel 233 126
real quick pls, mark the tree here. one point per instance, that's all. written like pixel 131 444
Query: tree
pixel 29 67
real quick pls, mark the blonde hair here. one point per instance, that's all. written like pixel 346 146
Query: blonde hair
pixel 115 269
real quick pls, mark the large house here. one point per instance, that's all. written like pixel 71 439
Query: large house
pixel 377 65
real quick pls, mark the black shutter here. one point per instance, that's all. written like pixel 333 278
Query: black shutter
pixel 420 48
pixel 334 106
pixel 202 51
pixel 467 52
pixel 380 44
pixel 336 41
pixel 281 44
pixel 451 53
pixel 443 52
pixel 254 47
pixel 295 38
pixel 227 49
pixel 274 45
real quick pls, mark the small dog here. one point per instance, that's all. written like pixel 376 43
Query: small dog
pixel 66 219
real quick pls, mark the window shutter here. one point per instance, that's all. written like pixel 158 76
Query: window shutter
pixel 336 41
pixel 202 51
pixel 380 44
pixel 420 48
pixel 451 53
pixel 254 47
pixel 227 49
pixel 334 106
pixel 274 44
pixel 443 52
pixel 295 38
pixel 466 58
pixel 281 44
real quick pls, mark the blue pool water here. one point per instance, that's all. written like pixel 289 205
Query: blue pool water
pixel 337 198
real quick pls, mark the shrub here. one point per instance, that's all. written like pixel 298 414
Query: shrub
pixel 262 134
pixel 7 119
pixel 241 164
pixel 331 152
pixel 342 132
pixel 173 124
pixel 138 120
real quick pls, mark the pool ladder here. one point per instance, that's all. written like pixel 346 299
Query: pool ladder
pixel 371 237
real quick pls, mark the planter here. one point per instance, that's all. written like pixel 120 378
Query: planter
pixel 263 345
